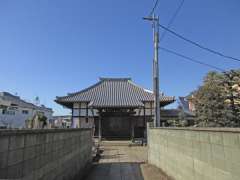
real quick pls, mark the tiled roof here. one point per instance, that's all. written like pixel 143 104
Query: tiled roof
pixel 113 92
pixel 174 113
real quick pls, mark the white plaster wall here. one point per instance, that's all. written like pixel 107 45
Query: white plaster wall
pixel 85 124
pixel 18 119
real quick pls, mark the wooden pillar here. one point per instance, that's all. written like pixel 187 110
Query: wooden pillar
pixel 72 119
pixel 100 125
pixel 151 108
pixel 132 127
pixel 144 122
pixel 147 132
pixel 144 114
pixel 93 119
pixel 79 115
pixel 87 116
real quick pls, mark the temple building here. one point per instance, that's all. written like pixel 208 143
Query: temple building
pixel 114 107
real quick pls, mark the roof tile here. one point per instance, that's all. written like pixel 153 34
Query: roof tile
pixel 113 92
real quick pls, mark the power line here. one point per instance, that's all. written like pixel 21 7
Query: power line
pixel 154 7
pixel 172 19
pixel 190 59
pixel 199 45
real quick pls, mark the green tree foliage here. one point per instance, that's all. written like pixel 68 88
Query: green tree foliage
pixel 37 121
pixel 43 119
pixel 231 85
pixel 216 100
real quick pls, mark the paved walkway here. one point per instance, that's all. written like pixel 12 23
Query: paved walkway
pixel 119 161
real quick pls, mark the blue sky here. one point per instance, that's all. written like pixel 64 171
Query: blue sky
pixel 49 48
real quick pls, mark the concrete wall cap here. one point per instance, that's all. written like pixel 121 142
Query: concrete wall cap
pixel 231 130
pixel 4 132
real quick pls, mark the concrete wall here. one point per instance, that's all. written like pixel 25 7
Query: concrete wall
pixel 45 154
pixel 201 154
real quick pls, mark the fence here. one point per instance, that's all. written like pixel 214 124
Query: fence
pixel 196 153
pixel 45 154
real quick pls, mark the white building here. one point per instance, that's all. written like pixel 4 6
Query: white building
pixel 14 111
pixel 61 121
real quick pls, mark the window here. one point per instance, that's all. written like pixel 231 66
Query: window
pixel 11 112
pixel 25 111
pixel 7 112
pixel 86 120
pixel 4 111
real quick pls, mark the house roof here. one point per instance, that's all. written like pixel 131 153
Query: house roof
pixel 113 92
pixel 8 99
pixel 184 103
pixel 174 113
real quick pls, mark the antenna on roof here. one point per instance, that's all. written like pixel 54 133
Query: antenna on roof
pixel 37 101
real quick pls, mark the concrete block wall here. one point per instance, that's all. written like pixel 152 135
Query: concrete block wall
pixel 61 154
pixel 196 153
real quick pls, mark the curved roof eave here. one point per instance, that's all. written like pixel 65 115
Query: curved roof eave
pixel 113 92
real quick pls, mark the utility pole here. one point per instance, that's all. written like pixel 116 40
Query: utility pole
pixel 155 24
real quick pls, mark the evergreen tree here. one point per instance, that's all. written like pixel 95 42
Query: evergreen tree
pixel 209 101
pixel 231 85
pixel 217 101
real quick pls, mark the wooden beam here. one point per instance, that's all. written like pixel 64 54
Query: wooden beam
pixel 72 118
pixel 132 126
pixel 144 114
pixel 79 114
pixel 100 125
